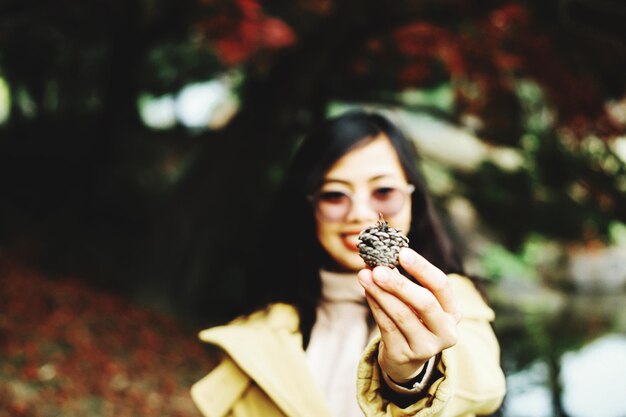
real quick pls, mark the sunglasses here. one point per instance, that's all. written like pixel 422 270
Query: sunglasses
pixel 335 205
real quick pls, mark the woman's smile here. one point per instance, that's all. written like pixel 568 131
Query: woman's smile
pixel 350 240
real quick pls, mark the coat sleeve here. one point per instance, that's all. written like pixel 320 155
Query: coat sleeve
pixel 471 381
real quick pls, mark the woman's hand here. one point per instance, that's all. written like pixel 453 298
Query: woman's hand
pixel 415 322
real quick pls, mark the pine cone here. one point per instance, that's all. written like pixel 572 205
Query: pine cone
pixel 381 244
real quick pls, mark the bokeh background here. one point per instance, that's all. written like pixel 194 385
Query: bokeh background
pixel 141 142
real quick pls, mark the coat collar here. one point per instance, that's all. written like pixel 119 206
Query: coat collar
pixel 267 346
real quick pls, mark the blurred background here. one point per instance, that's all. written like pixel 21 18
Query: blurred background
pixel 141 142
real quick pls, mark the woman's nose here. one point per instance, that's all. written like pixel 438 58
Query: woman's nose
pixel 361 209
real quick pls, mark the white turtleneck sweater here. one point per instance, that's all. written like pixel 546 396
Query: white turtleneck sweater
pixel 338 338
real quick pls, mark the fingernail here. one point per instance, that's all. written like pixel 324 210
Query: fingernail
pixel 365 278
pixel 381 274
pixel 407 257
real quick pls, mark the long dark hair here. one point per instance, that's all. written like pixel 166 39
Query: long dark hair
pixel 289 256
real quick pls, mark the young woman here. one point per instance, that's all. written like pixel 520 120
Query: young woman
pixel 329 336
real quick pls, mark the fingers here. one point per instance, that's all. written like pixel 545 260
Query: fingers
pixel 421 305
pixel 392 315
pixel 430 277
pixel 389 332
pixel 395 357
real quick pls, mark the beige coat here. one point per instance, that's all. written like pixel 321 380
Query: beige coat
pixel 265 372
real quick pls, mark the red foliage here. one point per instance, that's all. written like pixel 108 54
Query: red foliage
pixel 67 349
pixel 243 29
pixel 483 57
pixel 483 54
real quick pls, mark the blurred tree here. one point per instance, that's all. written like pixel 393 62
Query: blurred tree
pixel 77 165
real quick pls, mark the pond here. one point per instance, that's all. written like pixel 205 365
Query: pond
pixel 564 354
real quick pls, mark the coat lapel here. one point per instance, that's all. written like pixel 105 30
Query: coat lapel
pixel 268 347
pixel 212 396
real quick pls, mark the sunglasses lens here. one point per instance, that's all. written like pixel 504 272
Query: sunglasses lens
pixel 333 205
pixel 387 200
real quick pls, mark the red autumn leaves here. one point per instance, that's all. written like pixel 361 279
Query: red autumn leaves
pixel 67 349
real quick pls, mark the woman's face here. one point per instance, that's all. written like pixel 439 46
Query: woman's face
pixel 352 194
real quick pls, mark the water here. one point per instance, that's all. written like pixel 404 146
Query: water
pixel 594 378
pixel 593 381
pixel 564 354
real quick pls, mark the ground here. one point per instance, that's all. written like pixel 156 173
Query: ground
pixel 72 350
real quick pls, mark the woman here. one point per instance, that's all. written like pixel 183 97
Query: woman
pixel 330 337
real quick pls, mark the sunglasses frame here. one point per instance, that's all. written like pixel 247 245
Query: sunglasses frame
pixel 407 191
